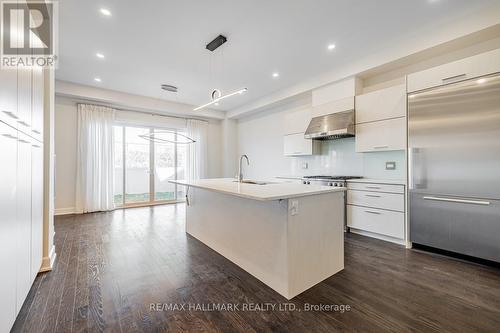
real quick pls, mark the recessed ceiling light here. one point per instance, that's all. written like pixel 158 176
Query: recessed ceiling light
pixel 97 79
pixel 105 12
pixel 481 81
pixel 276 74
pixel 330 47
pixel 99 55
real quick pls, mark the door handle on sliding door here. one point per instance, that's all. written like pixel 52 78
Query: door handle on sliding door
pixel 465 201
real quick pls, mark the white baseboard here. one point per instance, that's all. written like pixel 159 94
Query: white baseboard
pixel 64 211
pixel 48 262
pixel 378 236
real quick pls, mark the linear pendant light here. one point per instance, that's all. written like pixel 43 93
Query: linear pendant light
pixel 156 137
pixel 218 99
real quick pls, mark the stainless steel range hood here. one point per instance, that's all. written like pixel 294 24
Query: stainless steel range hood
pixel 332 126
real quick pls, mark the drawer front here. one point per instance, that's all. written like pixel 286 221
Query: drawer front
pixel 380 200
pixel 383 222
pixel 464 69
pixel 376 187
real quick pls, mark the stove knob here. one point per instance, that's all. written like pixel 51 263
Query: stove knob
pixel 330 184
pixel 304 182
pixel 336 184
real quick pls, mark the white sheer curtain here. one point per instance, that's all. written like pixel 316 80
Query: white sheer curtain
pixel 197 152
pixel 94 170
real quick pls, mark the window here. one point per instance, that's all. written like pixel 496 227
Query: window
pixel 143 168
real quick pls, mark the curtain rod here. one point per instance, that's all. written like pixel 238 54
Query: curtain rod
pixel 144 112
pixel 161 115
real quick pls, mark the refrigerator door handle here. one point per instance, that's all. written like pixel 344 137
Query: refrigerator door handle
pixel 465 201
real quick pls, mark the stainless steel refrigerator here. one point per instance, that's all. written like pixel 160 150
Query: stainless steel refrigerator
pixel 454 167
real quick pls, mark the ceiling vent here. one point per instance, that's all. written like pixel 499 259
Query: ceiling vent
pixel 218 41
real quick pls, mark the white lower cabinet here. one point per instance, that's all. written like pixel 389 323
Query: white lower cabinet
pixel 383 135
pixel 377 209
pixel 379 221
pixel 390 201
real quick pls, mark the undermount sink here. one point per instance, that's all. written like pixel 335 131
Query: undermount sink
pixel 254 182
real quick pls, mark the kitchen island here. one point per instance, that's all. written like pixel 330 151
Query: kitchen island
pixel 287 235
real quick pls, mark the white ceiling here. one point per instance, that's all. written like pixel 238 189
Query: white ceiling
pixel 148 43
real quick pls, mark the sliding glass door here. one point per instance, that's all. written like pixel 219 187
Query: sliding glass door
pixel 137 166
pixel 165 168
pixel 143 168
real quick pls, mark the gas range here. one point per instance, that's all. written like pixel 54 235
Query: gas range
pixel 337 181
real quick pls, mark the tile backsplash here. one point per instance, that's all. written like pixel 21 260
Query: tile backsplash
pixel 338 157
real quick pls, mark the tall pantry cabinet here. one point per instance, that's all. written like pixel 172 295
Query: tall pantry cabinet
pixel 21 186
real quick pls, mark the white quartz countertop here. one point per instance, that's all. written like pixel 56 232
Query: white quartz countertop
pixel 378 181
pixel 271 191
pixel 289 177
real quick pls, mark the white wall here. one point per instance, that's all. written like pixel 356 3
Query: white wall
pixel 65 148
pixel 261 138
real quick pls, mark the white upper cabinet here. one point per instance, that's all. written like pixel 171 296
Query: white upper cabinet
pixel 381 104
pixel 336 97
pixel 381 135
pixel 296 145
pixel 333 107
pixel 336 91
pixel 297 121
pixel 468 68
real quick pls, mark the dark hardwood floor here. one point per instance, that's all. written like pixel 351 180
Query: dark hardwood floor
pixel 112 266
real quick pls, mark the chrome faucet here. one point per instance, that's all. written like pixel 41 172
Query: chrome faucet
pixel 240 174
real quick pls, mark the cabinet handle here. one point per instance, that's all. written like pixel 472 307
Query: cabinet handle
pixel 373 187
pixel 23 123
pixel 380 147
pixel 474 202
pixel 372 212
pixel 35 131
pixel 10 136
pixel 23 141
pixel 36 146
pixel 454 77
pixel 10 114
pixel 373 196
